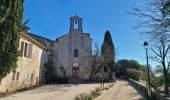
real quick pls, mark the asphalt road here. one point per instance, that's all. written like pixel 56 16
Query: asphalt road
pixel 122 90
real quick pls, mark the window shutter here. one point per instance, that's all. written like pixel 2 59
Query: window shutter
pixel 22 48
pixel 13 75
pixel 28 78
pixel 32 76
pixel 30 51
pixel 18 74
pixel 26 50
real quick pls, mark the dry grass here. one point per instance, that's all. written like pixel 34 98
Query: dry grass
pixel 111 85
pixel 90 96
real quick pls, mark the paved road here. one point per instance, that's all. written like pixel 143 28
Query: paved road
pixel 123 90
pixel 53 92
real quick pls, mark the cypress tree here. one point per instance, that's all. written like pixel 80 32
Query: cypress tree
pixel 11 14
pixel 108 53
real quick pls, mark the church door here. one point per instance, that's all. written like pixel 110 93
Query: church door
pixel 75 72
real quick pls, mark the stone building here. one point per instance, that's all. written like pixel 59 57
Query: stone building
pixel 74 52
pixel 70 55
pixel 29 64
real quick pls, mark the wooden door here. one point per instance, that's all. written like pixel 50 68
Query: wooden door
pixel 75 72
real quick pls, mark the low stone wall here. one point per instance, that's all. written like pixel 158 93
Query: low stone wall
pixel 144 89
pixel 139 86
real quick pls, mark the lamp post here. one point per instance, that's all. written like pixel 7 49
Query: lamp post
pixel 149 83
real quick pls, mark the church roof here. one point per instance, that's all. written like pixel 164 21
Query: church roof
pixel 63 36
pixel 87 35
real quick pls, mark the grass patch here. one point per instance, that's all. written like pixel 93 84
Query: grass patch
pixel 109 86
pixel 90 96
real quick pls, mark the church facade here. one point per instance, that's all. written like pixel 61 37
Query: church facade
pixel 74 52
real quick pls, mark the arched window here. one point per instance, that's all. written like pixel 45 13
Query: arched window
pixel 76 53
pixel 75 24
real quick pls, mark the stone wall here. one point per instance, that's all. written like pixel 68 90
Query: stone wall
pixel 26 66
pixel 64 54
pixel 144 89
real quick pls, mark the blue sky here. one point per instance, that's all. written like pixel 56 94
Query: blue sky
pixel 50 19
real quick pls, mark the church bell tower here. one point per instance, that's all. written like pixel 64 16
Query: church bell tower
pixel 76 24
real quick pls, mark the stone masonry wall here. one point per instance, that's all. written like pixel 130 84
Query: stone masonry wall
pixel 25 67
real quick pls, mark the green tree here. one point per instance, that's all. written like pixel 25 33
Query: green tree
pixel 108 53
pixel 120 67
pixel 134 64
pixel 133 74
pixel 144 75
pixel 11 14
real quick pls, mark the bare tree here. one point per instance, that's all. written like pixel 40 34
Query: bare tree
pixel 154 21
pixel 97 60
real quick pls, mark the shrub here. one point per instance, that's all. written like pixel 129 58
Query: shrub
pixel 133 74
pixel 157 82
pixel 97 78
pixel 91 96
pixel 106 88
pixel 49 66
pixel 111 85
pixel 80 97
pixel 56 79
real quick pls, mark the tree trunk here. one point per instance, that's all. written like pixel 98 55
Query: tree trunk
pixel 166 83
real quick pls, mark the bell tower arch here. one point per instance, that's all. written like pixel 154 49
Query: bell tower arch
pixel 76 24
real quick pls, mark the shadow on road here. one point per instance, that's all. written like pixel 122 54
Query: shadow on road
pixel 52 88
pixel 138 91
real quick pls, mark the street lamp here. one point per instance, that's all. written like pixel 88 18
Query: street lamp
pixel 149 83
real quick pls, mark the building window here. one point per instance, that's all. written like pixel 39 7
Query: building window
pixel 26 49
pixel 18 74
pixel 76 53
pixel 30 77
pixel 13 75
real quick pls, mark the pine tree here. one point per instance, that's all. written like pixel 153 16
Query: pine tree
pixel 108 53
pixel 11 14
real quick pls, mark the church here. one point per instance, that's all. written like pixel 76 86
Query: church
pixel 73 51
pixel 70 54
